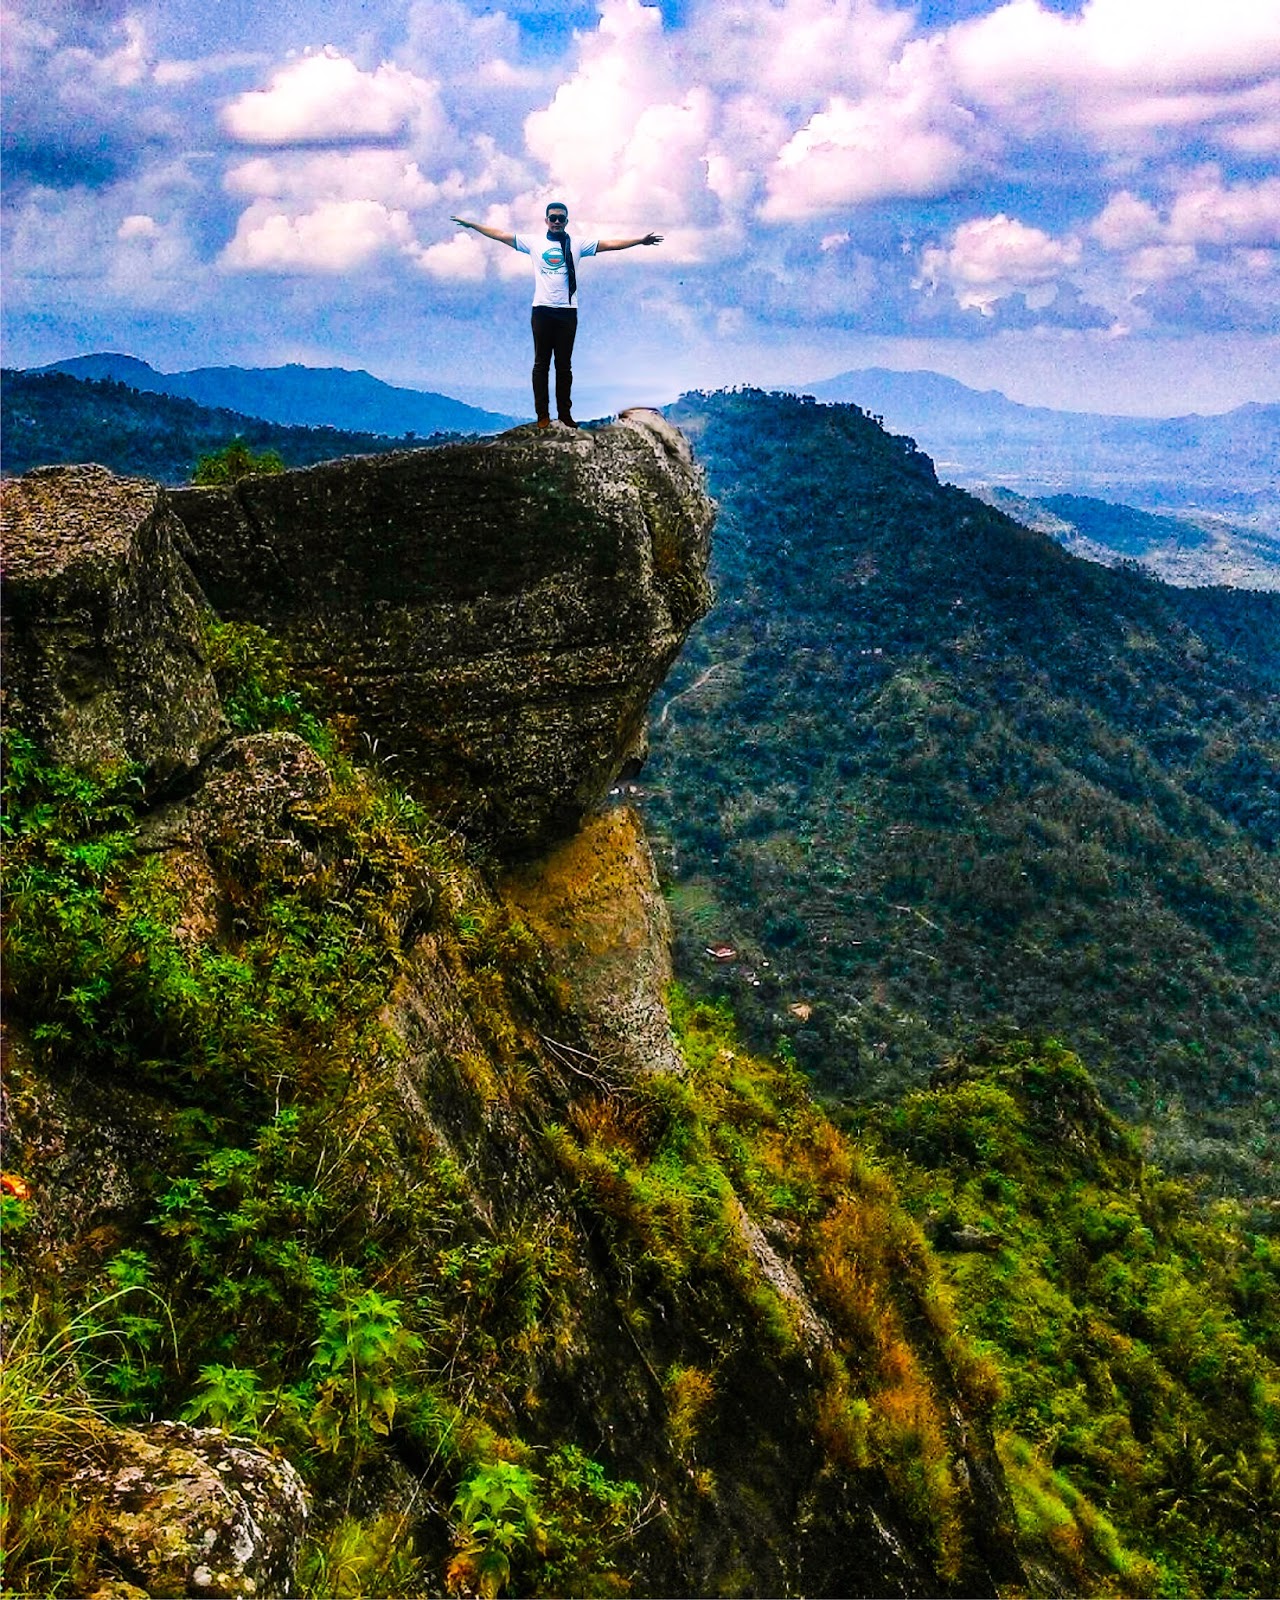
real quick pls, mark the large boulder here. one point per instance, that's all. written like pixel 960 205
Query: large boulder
pixel 495 614
pixel 194 1511
pixel 103 642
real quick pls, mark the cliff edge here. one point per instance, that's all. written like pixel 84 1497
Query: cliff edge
pixel 328 1132
pixel 496 614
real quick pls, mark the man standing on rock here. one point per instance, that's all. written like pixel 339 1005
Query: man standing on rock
pixel 555 301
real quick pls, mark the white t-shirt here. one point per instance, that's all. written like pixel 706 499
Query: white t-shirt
pixel 550 275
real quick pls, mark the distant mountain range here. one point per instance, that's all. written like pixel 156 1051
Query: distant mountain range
pixel 51 419
pixel 309 397
pixel 1224 465
pixel 1201 494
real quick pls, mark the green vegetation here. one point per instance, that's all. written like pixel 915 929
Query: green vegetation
pixel 236 461
pixel 1137 1335
pixel 522 1325
pixel 52 1425
pixel 931 777
pixel 302 1260
pixel 308 1271
pixel 302 1268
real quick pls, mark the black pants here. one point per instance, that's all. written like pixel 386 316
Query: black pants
pixel 554 328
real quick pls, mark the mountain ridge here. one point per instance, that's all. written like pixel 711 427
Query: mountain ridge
pixel 1223 462
pixel 374 1160
pixel 297 395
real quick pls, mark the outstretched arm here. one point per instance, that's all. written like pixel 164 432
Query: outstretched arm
pixel 494 233
pixel 626 244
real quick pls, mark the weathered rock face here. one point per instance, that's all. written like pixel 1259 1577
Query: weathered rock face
pixel 192 1511
pixel 595 905
pixel 104 659
pixel 496 615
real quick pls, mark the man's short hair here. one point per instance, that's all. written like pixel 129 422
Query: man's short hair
pixel 556 205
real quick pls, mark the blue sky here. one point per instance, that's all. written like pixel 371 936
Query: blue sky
pixel 1075 201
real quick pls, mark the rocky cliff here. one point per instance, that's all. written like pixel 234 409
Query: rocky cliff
pixel 377 1143
pixel 496 615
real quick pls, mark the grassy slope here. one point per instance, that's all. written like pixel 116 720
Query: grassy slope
pixel 1137 1335
pixel 354 1306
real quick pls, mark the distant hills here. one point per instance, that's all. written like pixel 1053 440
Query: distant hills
pixel 52 418
pixel 1224 465
pixel 1209 485
pixel 1185 550
pixel 925 775
pixel 310 397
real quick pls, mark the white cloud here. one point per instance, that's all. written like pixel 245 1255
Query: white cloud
pixel 1158 263
pixel 623 132
pixel 461 259
pixel 122 68
pixel 304 178
pixel 1204 212
pixel 1208 212
pixel 908 144
pixel 179 73
pixel 1126 221
pixel 797 53
pixel 326 98
pixel 993 257
pixel 337 236
pixel 1119 64
pixel 138 226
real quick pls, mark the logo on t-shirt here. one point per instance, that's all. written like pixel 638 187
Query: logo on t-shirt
pixel 554 258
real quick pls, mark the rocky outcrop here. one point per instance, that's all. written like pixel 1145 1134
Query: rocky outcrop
pixel 496 615
pixel 192 1511
pixel 103 647
pixel 601 1262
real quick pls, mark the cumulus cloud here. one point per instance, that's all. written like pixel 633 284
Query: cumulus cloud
pixel 796 53
pixel 623 132
pixel 906 145
pixel 1206 211
pixel 1203 211
pixel 1125 222
pixel 807 159
pixel 1138 64
pixel 337 236
pixel 327 99
pixel 460 259
pixel 337 175
pixel 993 257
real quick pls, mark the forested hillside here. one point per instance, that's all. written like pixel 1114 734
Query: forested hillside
pixel 51 419
pixel 927 776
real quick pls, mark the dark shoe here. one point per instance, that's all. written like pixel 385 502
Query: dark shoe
pixel 544 422
pixel 567 422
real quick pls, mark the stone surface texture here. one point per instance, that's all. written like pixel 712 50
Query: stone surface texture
pixel 194 1511
pixel 495 614
pixel 103 646
pixel 595 905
